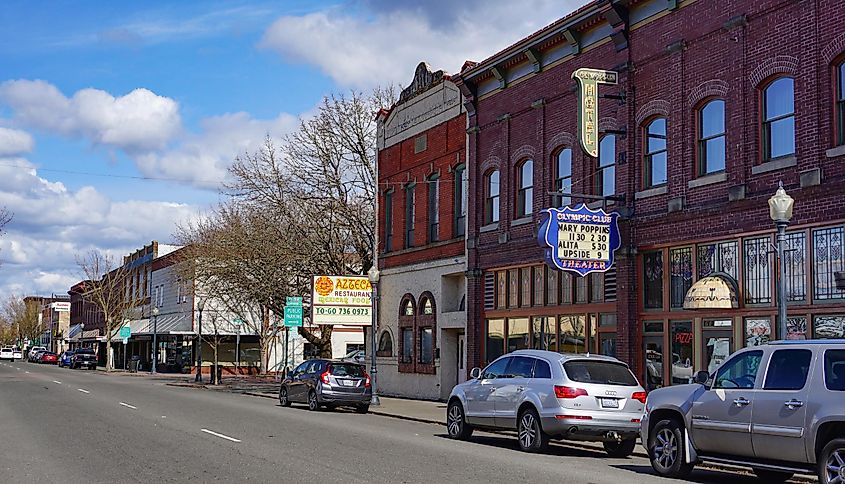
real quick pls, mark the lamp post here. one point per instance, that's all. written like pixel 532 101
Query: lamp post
pixel 373 276
pixel 200 306
pixel 81 334
pixel 780 210
pixel 155 340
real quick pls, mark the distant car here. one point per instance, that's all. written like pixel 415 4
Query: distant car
pixel 328 383
pixel 35 354
pixel 48 357
pixel 84 358
pixel 30 353
pixel 545 395
pixel 64 358
pixel 355 356
pixel 17 353
pixel 7 354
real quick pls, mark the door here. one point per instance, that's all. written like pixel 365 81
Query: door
pixel 295 385
pixel 508 395
pixel 479 393
pixel 462 358
pixel 777 426
pixel 721 416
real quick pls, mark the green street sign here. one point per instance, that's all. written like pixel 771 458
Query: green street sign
pixel 238 322
pixel 125 332
pixel 293 301
pixel 293 316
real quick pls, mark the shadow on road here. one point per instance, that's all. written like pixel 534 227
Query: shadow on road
pixel 510 442
pixel 700 475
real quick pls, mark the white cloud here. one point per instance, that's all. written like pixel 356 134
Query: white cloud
pixel 138 121
pixel 14 142
pixel 384 44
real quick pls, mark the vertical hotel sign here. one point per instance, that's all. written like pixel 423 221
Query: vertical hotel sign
pixel 588 110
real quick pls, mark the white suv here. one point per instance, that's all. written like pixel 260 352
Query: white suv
pixel 7 353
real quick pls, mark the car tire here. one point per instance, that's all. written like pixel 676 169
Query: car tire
pixel 831 460
pixel 284 400
pixel 362 408
pixel 668 461
pixel 620 449
pixel 767 475
pixel 313 403
pixel 530 433
pixel 456 422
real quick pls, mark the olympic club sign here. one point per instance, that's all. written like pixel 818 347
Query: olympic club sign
pixel 579 239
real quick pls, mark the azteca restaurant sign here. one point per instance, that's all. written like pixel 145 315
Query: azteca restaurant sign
pixel 579 239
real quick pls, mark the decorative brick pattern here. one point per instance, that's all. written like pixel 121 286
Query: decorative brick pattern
pixel 713 88
pixel 655 107
pixel 781 64
pixel 523 152
pixel 562 138
pixel 834 48
pixel 606 124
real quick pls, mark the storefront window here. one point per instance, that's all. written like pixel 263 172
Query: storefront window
pixel 607 344
pixel 580 289
pixel 757 271
pixel 495 341
pixel 552 287
pixel 538 286
pixel 501 289
pixel 545 333
pixel 758 331
pixel 682 352
pixel 565 288
pixel 513 288
pixel 794 256
pixel 796 328
pixel 653 347
pixel 573 334
pixel 718 257
pixel 829 326
pixel 829 257
pixel 525 276
pixel 653 280
pixel 426 346
pixel 407 345
pixel 518 334
pixel 680 279
pixel 597 287
pixel 718 342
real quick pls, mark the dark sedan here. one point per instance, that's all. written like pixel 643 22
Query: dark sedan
pixel 327 383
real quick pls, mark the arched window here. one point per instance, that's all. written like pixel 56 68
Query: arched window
pixel 385 344
pixel 563 177
pixel 779 118
pixel 426 326
pixel 840 102
pixel 711 137
pixel 408 308
pixel 606 170
pixel 491 197
pixel 655 153
pixel 407 326
pixel 525 192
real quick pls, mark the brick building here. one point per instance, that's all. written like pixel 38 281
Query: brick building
pixel 719 102
pixel 422 222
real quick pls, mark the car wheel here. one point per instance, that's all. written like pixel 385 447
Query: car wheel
pixel 283 397
pixel 456 423
pixel 832 462
pixel 362 408
pixel 620 449
pixel 666 450
pixel 529 432
pixel 767 475
pixel 313 404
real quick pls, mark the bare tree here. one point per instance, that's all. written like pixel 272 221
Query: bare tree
pixel 23 316
pixel 109 291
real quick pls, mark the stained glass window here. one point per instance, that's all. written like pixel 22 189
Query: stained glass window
pixel 718 257
pixel 794 256
pixel 653 280
pixel 757 271
pixel 828 258
pixel 680 276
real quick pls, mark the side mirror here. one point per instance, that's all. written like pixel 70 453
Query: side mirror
pixel 701 377
pixel 475 373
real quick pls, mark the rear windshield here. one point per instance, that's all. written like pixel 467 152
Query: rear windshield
pixel 347 370
pixel 834 370
pixel 85 351
pixel 599 372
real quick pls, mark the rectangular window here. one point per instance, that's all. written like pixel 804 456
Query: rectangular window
pixel 491 198
pixel 653 280
pixel 573 334
pixel 680 276
pixel 518 334
pixel 495 339
pixel 525 194
pixel 426 346
pixel 718 342
pixel 388 221
pixel 653 348
pixel 840 103
pixel 758 331
pixel 829 326
pixel 779 119
pixel 539 288
pixel 434 209
pixel 565 287
pixel 407 345
pixel 834 370
pixel 794 259
pixel 758 288
pixel 420 143
pixel 410 202
pixel 682 352
pixel 655 153
pixel 525 286
pixel 711 137
pixel 460 200
pixel 596 287
pixel 718 257
pixel 513 288
pixel 545 333
pixel 581 289
pixel 501 290
pixel 563 178
pixel 828 258
pixel 551 286
pixel 606 172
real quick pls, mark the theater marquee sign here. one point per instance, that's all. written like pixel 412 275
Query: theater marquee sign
pixel 588 109
pixel 579 239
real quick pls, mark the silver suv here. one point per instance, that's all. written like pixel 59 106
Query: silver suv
pixel 546 395
pixel 778 408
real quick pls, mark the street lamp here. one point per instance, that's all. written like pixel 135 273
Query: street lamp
pixel 200 306
pixel 155 340
pixel 373 276
pixel 780 210
pixel 81 334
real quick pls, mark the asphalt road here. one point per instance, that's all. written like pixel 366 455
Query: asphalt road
pixel 60 425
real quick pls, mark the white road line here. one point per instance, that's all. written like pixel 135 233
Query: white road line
pixel 130 406
pixel 26 372
pixel 220 435
pixel 83 391
pixel 57 382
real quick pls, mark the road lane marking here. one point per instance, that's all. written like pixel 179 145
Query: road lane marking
pixel 57 382
pixel 83 391
pixel 130 406
pixel 27 372
pixel 220 435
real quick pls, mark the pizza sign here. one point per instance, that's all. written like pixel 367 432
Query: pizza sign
pixel 579 239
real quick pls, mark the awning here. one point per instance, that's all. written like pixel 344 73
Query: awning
pixel 91 334
pixel 712 292
pixel 74 332
pixel 165 324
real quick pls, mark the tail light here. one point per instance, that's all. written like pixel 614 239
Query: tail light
pixel 569 392
pixel 324 377
pixel 639 396
pixel 367 383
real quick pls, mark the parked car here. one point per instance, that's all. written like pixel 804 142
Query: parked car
pixel 30 353
pixel 48 357
pixel 546 395
pixel 84 358
pixel 7 354
pixel 356 356
pixel 17 353
pixel 777 408
pixel 35 354
pixel 64 358
pixel 329 383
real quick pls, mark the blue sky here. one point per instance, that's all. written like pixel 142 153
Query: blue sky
pixel 95 95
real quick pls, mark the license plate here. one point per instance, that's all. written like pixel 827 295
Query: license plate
pixel 347 383
pixel 609 403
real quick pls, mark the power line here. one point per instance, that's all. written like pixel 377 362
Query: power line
pixel 111 175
